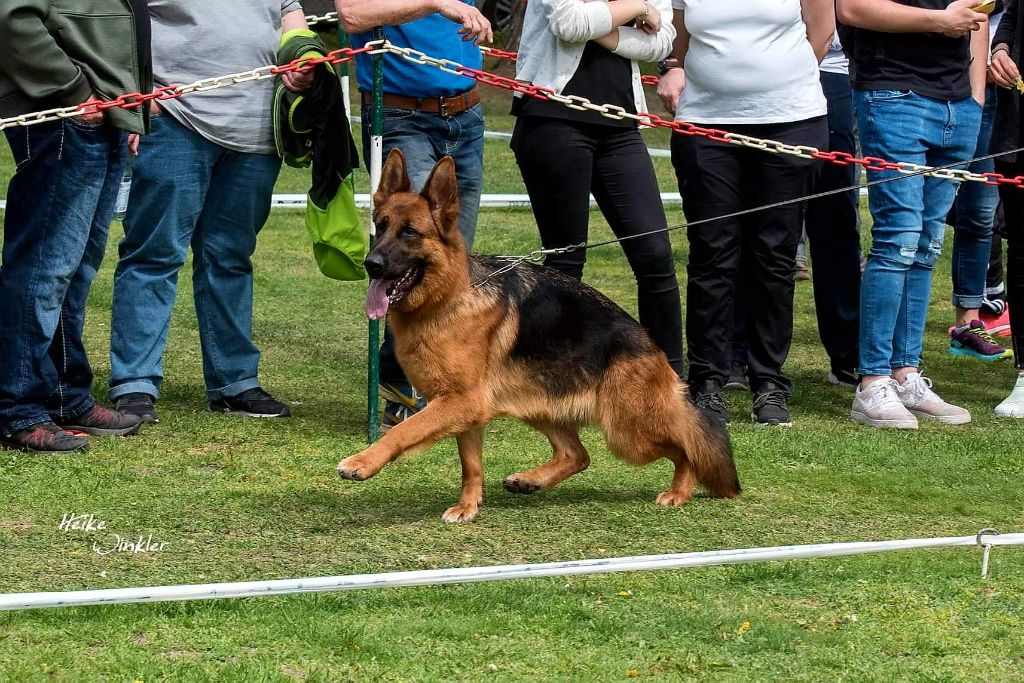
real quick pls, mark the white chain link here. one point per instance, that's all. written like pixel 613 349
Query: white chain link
pixel 571 101
pixel 171 92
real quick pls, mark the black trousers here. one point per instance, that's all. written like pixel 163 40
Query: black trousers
pixel 717 179
pixel 563 163
pixel 832 230
pixel 1013 209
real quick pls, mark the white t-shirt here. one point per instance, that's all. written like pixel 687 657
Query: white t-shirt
pixel 835 61
pixel 748 62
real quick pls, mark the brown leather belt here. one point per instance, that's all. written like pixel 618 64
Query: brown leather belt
pixel 445 106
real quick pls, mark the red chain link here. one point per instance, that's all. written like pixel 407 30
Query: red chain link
pixel 171 92
pixel 839 158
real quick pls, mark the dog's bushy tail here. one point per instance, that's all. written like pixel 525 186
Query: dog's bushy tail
pixel 709 451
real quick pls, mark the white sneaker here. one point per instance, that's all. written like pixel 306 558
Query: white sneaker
pixel 917 395
pixel 879 405
pixel 1013 406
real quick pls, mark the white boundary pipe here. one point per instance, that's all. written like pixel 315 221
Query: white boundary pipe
pixel 487 201
pixel 434 577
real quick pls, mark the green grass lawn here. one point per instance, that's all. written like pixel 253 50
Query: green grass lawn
pixel 239 499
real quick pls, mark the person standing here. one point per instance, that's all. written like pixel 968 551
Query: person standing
pixel 975 212
pixel 593 50
pixel 428 114
pixel 60 202
pixel 833 228
pixel 920 102
pixel 750 68
pixel 204 178
pixel 1008 135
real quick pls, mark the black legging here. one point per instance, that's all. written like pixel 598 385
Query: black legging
pixel 1013 209
pixel 562 163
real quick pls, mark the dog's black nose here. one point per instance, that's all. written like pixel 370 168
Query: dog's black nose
pixel 374 264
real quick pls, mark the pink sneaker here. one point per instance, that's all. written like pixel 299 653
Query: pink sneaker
pixel 879 405
pixel 916 394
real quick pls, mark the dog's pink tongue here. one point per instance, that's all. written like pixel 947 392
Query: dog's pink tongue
pixel 376 300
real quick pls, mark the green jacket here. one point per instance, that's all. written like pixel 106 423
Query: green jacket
pixel 56 53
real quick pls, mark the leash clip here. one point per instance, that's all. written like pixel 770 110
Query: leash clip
pixel 986 548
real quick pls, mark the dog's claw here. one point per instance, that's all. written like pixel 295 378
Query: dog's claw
pixel 351 471
pixel 672 498
pixel 458 514
pixel 515 485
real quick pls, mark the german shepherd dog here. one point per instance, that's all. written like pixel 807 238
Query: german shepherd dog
pixel 529 343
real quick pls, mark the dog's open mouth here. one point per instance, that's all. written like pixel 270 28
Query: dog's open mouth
pixel 383 292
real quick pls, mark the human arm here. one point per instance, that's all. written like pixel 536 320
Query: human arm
pixel 820 18
pixel 979 63
pixel 650 40
pixel 889 16
pixel 674 80
pixel 1004 70
pixel 576 21
pixel 296 81
pixel 32 58
pixel 362 15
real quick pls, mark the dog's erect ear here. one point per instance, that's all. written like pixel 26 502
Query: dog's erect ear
pixel 393 177
pixel 442 194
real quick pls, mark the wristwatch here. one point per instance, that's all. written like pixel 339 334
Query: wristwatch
pixel 667 64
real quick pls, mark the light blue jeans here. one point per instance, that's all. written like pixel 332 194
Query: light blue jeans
pixel 909 216
pixel 975 212
pixel 188 191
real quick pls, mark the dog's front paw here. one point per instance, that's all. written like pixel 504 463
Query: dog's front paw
pixel 355 469
pixel 672 498
pixel 462 512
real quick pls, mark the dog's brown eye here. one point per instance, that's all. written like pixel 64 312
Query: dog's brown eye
pixel 409 231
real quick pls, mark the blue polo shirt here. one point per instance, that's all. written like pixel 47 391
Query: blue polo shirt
pixel 434 35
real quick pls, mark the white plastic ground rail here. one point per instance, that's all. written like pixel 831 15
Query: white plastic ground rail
pixel 434 577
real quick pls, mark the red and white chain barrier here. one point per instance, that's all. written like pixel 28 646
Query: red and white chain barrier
pixel 343 55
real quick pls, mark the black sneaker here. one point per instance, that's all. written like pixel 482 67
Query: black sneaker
pixel 843 376
pixel 140 405
pixel 44 439
pixel 710 400
pixel 251 403
pixel 770 406
pixel 101 421
pixel 737 378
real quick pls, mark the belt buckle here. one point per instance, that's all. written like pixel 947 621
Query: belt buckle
pixel 444 101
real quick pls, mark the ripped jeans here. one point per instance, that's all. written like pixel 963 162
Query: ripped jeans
pixel 909 216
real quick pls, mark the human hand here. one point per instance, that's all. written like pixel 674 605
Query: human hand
pixel 133 144
pixel 1004 71
pixel 649 21
pixel 670 86
pixel 92 118
pixel 475 26
pixel 297 81
pixel 958 19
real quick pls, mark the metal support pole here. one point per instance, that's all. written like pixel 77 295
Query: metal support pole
pixel 376 161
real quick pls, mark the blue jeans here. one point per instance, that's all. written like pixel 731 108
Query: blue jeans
pixel 187 190
pixel 424 139
pixel 909 216
pixel 59 205
pixel 975 212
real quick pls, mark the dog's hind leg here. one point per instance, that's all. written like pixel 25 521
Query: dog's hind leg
pixel 569 458
pixel 471 448
pixel 680 491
